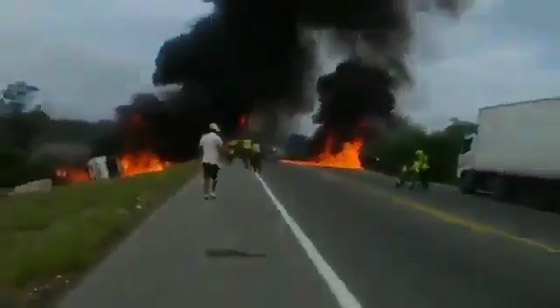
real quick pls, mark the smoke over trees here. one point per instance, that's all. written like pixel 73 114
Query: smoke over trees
pixel 255 55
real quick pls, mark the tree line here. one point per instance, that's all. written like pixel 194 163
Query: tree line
pixel 25 129
pixel 397 147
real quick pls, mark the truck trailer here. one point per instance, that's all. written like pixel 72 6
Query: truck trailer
pixel 515 152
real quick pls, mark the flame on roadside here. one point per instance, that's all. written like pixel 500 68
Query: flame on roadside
pixel 73 175
pixel 132 164
pixel 348 158
pixel 140 163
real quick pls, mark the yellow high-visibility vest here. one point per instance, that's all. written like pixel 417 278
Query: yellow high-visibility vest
pixel 416 166
pixel 256 148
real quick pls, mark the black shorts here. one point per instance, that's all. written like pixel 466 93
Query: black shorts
pixel 210 170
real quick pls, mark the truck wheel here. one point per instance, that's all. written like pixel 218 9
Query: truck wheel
pixel 467 182
pixel 502 189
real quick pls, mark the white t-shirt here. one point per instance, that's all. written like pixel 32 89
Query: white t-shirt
pixel 211 144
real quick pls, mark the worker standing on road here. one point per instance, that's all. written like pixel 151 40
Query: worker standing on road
pixel 246 152
pixel 256 157
pixel 211 145
pixel 420 170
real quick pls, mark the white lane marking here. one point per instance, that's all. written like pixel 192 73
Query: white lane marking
pixel 344 297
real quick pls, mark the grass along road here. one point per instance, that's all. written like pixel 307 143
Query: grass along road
pixel 48 240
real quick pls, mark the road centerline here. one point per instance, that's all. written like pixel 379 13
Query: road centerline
pixel 342 294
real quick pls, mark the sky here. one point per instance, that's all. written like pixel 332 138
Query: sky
pixel 89 57
pixel 500 51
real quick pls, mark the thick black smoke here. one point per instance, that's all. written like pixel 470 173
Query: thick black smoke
pixel 353 94
pixel 254 54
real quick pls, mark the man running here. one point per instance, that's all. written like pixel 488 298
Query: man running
pixel 211 145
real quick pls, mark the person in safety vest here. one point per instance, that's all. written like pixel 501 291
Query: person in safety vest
pixel 246 150
pixel 256 157
pixel 420 169
pixel 416 173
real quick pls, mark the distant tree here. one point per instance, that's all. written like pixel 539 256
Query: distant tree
pixel 459 128
pixel 12 164
pixel 74 131
pixel 15 96
pixel 25 128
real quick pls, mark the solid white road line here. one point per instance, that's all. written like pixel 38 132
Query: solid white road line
pixel 336 285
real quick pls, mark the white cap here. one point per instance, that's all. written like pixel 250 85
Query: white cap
pixel 214 127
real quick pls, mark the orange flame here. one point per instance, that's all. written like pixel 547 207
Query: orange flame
pixel 140 163
pixel 348 158
pixel 132 165
pixel 73 175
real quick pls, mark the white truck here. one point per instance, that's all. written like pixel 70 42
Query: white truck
pixel 516 150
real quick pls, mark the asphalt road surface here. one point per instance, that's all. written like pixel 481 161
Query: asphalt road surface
pixel 311 237
pixel 395 248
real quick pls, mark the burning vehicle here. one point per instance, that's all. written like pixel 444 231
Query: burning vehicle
pixel 110 167
pixel 104 167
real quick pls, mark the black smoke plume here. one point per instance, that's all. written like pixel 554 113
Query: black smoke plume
pixel 350 97
pixel 254 55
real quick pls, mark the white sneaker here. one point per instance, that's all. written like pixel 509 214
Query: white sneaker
pixel 213 195
pixel 205 197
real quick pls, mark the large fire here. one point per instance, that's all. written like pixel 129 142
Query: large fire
pixel 348 158
pixel 73 175
pixel 131 165
pixel 140 163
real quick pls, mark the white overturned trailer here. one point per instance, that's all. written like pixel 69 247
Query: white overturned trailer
pixel 104 167
pixel 516 151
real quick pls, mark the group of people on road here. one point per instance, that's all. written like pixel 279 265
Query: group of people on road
pixel 249 151
pixel 251 155
pixel 417 173
pixel 213 149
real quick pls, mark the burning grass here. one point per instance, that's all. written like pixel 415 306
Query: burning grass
pixel 141 163
pixel 67 231
pixel 347 158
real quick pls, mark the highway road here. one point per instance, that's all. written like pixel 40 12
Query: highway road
pixel 395 248
pixel 312 237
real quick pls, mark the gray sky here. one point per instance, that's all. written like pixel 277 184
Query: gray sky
pixel 500 51
pixel 89 56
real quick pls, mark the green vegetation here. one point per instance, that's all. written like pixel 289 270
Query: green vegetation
pixel 396 148
pixel 22 139
pixel 67 231
pixel 33 145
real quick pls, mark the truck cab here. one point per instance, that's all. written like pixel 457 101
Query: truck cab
pixel 465 161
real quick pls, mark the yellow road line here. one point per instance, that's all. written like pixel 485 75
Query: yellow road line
pixel 474 226
pixel 444 216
